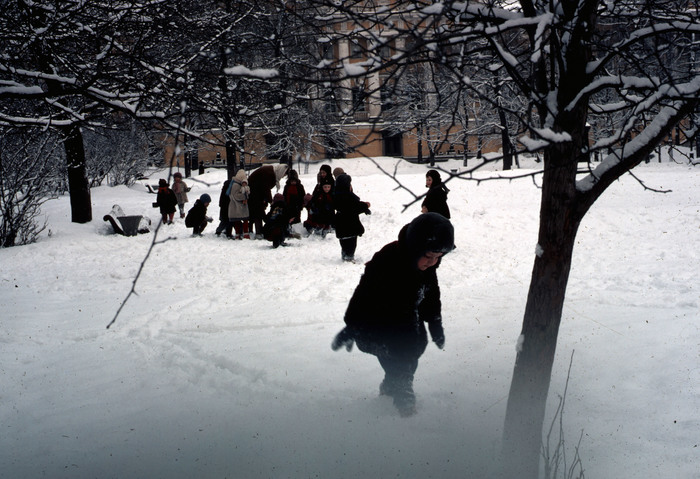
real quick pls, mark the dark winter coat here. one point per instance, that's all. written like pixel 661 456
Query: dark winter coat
pixel 436 199
pixel 322 210
pixel 261 181
pixel 348 208
pixel 197 215
pixel 166 200
pixel 294 197
pixel 321 180
pixel 277 221
pixel 224 200
pixel 392 302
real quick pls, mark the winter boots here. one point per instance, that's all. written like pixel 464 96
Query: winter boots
pixel 401 391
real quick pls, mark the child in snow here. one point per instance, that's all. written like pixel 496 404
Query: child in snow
pixel 180 189
pixel 277 221
pixel 197 218
pixel 321 210
pixel 224 201
pixel 294 195
pixel 436 198
pixel 397 294
pixel 238 212
pixel 166 201
pixel 347 217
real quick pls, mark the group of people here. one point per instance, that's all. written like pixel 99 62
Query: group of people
pixel 168 198
pixel 397 295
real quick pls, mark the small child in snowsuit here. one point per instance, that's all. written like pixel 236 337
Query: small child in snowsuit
pixel 277 221
pixel 180 189
pixel 197 218
pixel 166 201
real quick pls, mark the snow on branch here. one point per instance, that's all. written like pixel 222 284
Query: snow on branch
pixel 547 137
pixel 261 73
pixel 644 139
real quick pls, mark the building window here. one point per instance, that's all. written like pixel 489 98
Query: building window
pixel 358 98
pixel 357 48
pixel 327 51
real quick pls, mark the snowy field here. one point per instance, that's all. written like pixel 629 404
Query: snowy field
pixel 221 366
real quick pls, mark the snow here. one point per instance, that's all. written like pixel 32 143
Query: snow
pixel 221 365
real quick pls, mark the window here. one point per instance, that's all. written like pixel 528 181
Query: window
pixel 357 48
pixel 358 98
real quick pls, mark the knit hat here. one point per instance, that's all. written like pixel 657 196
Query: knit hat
pixel 162 182
pixel 429 232
pixel 205 198
pixel 277 197
pixel 177 174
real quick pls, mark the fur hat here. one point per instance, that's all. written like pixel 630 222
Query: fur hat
pixel 205 198
pixel 428 232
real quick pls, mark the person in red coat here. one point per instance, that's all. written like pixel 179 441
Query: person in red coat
pixel 261 181
pixel 294 195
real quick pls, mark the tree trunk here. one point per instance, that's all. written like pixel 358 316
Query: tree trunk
pixel 78 186
pixel 505 141
pixel 559 221
pixel 231 163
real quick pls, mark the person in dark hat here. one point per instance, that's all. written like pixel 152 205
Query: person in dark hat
pixel 397 294
pixel 197 218
pixel 436 198
pixel 348 208
pixel 166 201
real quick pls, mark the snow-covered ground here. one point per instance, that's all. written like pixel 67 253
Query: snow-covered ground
pixel 221 365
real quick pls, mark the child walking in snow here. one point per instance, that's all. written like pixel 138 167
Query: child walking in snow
pixel 397 294
pixel 347 218
pixel 166 201
pixel 180 189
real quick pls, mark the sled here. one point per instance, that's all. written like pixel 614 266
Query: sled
pixel 127 225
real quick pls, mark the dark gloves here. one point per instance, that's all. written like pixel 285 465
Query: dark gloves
pixel 436 333
pixel 345 338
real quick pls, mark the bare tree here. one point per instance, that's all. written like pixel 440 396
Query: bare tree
pixel 625 63
pixel 28 178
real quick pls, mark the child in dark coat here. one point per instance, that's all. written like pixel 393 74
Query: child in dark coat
pixel 321 210
pixel 397 294
pixel 224 201
pixel 166 201
pixel 197 218
pixel 347 217
pixel 294 195
pixel 277 221
pixel 436 199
